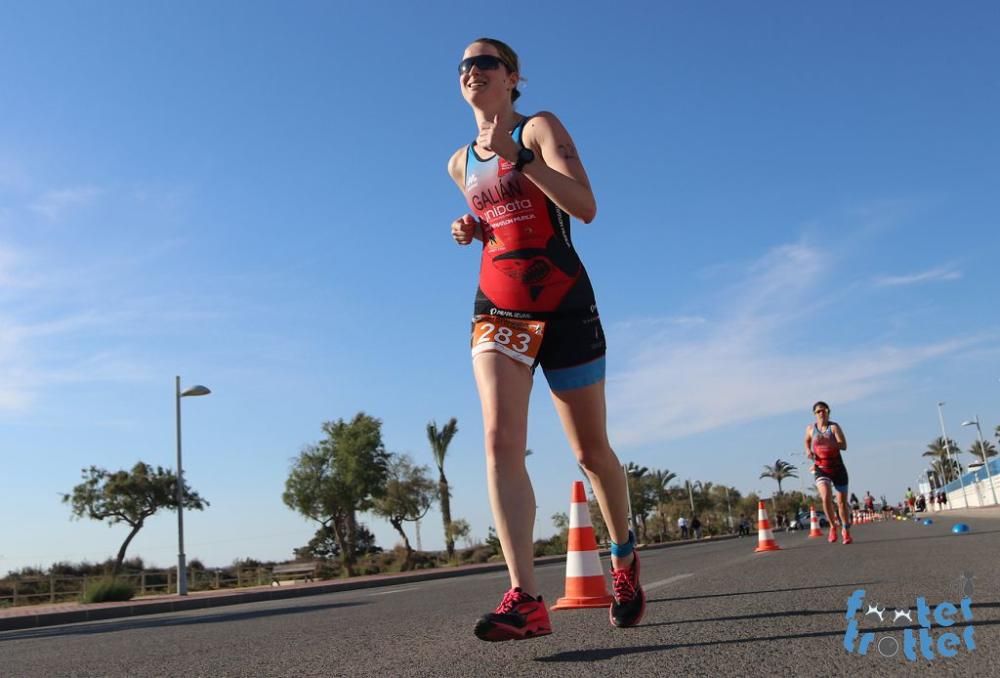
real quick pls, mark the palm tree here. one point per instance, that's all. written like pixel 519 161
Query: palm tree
pixel 439 447
pixel 781 470
pixel 636 499
pixel 660 480
pixel 977 450
pixel 703 495
pixel 946 471
pixel 938 449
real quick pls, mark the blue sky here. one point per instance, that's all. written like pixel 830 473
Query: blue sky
pixel 795 203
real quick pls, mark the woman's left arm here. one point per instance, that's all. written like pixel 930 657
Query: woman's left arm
pixel 838 433
pixel 557 169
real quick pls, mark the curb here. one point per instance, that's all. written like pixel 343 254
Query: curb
pixel 199 602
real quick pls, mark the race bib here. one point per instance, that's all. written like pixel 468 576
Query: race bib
pixel 517 339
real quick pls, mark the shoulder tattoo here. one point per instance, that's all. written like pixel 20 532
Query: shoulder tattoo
pixel 567 151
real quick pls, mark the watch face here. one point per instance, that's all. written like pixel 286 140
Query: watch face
pixel 524 156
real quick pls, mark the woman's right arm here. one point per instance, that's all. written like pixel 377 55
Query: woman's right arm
pixel 465 228
pixel 456 168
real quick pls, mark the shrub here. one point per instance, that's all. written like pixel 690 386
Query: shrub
pixel 108 589
pixel 554 546
pixel 478 554
pixel 423 561
pixel 328 569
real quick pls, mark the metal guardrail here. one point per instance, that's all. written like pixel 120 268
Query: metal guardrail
pixel 17 591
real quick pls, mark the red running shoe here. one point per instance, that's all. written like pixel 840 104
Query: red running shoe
pixel 847 537
pixel 832 537
pixel 517 617
pixel 629 601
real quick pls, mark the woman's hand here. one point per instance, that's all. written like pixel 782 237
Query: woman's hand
pixel 463 229
pixel 494 139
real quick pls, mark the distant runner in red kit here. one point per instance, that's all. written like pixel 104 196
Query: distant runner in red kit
pixel 824 443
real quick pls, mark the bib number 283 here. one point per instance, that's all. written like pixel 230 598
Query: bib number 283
pixel 517 339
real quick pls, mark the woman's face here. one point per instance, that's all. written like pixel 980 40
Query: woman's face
pixel 482 85
pixel 822 415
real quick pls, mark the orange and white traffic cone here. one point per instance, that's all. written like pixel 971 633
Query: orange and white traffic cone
pixel 765 538
pixel 585 582
pixel 814 530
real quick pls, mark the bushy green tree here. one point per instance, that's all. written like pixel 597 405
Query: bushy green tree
pixel 460 529
pixel 129 497
pixel 409 494
pixel 331 481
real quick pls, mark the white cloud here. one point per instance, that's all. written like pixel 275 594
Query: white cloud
pixel 935 274
pixel 54 204
pixel 37 336
pixel 742 363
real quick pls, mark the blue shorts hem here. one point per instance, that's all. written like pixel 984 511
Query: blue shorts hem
pixel 578 376
pixel 840 489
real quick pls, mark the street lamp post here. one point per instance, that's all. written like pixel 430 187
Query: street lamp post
pixel 982 450
pixel 182 587
pixel 947 447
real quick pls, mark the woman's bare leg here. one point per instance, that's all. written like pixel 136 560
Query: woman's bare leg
pixel 504 390
pixel 825 490
pixel 583 413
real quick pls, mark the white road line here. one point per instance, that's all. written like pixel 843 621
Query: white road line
pixel 664 582
pixel 399 590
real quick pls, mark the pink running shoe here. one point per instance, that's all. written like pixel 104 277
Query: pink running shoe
pixel 629 601
pixel 517 617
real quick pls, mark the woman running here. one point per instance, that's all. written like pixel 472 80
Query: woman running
pixel 523 180
pixel 824 442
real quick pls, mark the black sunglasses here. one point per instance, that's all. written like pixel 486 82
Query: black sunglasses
pixel 484 62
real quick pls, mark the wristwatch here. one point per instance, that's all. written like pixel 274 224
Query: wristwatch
pixel 524 156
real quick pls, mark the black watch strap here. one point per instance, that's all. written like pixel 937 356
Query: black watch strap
pixel 524 156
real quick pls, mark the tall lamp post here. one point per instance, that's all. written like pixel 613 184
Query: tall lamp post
pixel 947 447
pixel 182 587
pixel 982 449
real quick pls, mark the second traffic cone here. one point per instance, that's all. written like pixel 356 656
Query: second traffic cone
pixel 585 583
pixel 765 538
pixel 814 530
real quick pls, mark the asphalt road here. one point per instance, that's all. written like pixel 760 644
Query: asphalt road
pixel 714 609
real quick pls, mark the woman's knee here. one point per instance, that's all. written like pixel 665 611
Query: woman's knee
pixel 504 448
pixel 596 457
